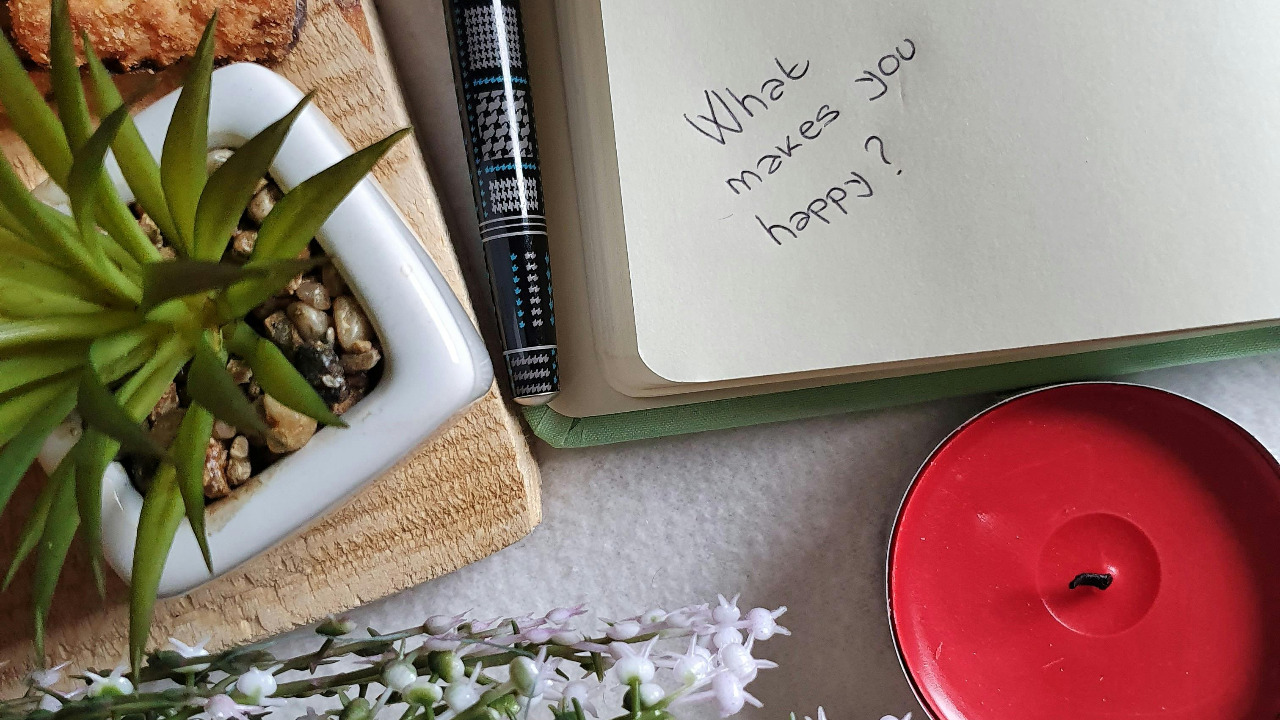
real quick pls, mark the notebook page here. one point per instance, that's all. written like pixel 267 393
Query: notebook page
pixel 829 185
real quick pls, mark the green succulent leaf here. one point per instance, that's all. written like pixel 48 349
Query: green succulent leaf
pixel 52 279
pixel 34 122
pixel 86 171
pixel 248 294
pixel 137 164
pixel 68 93
pixel 115 356
pixel 231 186
pixel 18 334
pixel 33 528
pixel 93 453
pixel 14 244
pixel 182 161
pixel 16 456
pixel 178 278
pixel 277 376
pixel 102 411
pixel 162 512
pixel 20 370
pixel 28 300
pixel 59 529
pixel 298 215
pixel 17 408
pixel 209 384
pixel 188 453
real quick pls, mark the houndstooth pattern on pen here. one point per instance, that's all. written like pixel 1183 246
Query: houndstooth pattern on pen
pixel 492 122
pixel 482 38
pixel 504 195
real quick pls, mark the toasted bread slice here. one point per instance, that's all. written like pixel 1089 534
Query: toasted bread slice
pixel 133 34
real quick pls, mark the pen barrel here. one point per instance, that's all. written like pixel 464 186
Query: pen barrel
pixel 497 105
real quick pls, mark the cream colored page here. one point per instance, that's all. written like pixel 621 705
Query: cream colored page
pixel 940 178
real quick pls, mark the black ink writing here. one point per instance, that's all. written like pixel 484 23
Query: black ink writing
pixel 724 117
pixel 772 161
pixel 822 208
pixel 888 66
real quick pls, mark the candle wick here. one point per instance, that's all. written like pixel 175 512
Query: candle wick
pixel 1102 581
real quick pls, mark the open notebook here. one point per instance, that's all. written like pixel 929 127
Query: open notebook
pixel 755 196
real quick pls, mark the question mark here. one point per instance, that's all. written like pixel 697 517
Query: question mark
pixel 867 146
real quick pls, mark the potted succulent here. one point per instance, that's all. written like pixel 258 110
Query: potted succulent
pixel 101 320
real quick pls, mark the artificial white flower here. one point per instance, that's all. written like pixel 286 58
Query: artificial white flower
pixel 567 637
pixel 727 611
pixel 464 693
pixel 762 623
pixel 725 636
pixel 112 685
pixel 560 616
pixel 47 678
pixel 191 651
pixel 422 691
pixel 730 694
pixel 399 675
pixel 693 666
pixel 651 694
pixel 442 624
pixel 623 630
pixel 532 676
pixel 257 685
pixel 222 707
pixel 652 617
pixel 738 660
pixel 631 665
pixel 582 691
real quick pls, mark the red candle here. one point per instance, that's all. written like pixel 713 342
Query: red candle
pixel 1171 507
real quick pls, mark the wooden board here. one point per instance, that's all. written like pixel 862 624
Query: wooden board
pixel 463 496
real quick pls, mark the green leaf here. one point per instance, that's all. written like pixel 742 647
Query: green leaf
pixel 277 376
pixel 118 355
pixel 17 334
pixel 86 170
pixel 59 529
pixel 177 278
pixel 231 186
pixel 33 528
pixel 101 410
pixel 34 122
pixel 137 164
pixel 209 384
pixel 188 453
pixel 248 294
pixel 20 370
pixel 94 452
pixel 16 456
pixel 24 300
pixel 15 244
pixel 17 409
pixel 186 145
pixel 298 215
pixel 73 109
pixel 51 278
pixel 162 512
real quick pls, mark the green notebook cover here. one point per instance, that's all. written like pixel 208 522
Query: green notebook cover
pixel 568 432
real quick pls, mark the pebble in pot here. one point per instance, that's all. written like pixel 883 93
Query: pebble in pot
pixel 290 430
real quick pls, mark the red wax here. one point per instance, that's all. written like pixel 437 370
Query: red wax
pixel 1180 505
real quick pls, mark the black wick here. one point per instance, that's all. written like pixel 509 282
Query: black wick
pixel 1102 581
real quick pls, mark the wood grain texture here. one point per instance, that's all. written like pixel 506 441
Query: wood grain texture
pixel 466 494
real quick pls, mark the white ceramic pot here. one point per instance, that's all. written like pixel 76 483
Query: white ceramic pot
pixel 435 362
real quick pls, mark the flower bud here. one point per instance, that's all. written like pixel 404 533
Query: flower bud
pixel 654 616
pixel 624 630
pixel 634 667
pixel 651 694
pixel 567 637
pixel 440 624
pixel 399 674
pixel 256 684
pixel 729 694
pixel 762 623
pixel 335 627
pixel 506 705
pixel 447 665
pixel 460 695
pixel 694 666
pixel 726 636
pixel 524 674
pixel 358 709
pixel 422 692
pixel 110 686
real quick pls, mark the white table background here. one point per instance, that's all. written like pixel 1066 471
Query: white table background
pixel 794 514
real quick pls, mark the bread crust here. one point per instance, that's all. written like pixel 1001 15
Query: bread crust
pixel 138 34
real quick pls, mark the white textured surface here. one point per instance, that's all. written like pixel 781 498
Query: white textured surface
pixel 795 514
